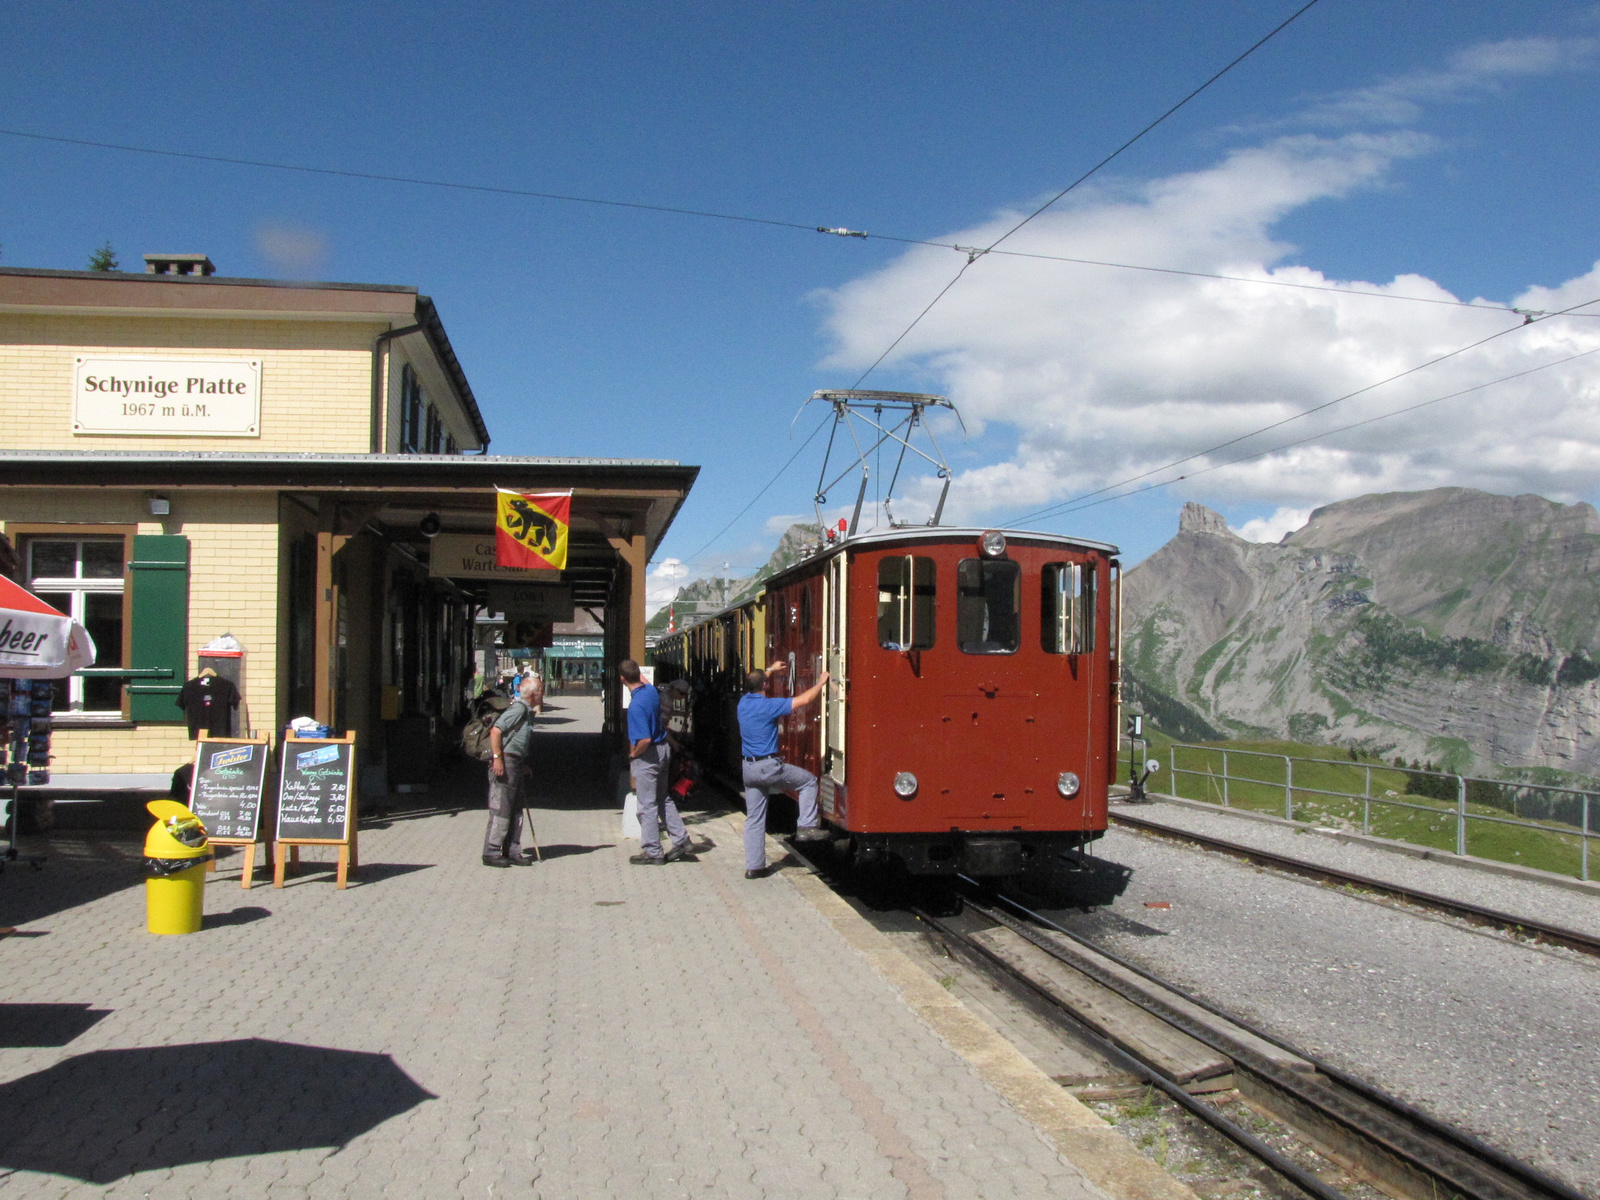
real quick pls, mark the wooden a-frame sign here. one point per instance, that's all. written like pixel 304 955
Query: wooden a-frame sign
pixel 316 803
pixel 226 792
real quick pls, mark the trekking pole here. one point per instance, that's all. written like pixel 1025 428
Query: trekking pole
pixel 527 818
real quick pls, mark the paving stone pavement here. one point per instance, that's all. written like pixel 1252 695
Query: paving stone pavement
pixel 579 1028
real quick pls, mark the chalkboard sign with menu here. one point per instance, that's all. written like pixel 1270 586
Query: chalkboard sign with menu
pixel 315 789
pixel 226 794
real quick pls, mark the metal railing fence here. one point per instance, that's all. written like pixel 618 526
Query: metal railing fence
pixel 1555 824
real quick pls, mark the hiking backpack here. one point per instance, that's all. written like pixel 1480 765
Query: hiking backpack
pixel 475 737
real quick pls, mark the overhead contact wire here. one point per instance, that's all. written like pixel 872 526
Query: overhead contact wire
pixel 710 214
pixel 1074 503
pixel 418 181
pixel 713 541
pixel 1289 20
pixel 975 254
pixel 1314 437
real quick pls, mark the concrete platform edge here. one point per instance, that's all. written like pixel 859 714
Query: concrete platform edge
pixel 1105 1157
pixel 1408 849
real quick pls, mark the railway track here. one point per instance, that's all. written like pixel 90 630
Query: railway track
pixel 1540 931
pixel 1185 1047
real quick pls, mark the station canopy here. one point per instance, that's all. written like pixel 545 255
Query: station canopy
pixel 621 508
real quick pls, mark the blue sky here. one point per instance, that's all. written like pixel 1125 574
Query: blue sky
pixel 1449 145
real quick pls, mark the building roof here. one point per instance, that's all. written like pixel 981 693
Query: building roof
pixel 29 289
pixel 458 486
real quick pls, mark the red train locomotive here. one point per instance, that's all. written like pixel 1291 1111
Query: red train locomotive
pixel 970 721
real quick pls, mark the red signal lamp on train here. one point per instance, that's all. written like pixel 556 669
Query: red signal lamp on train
pixel 992 544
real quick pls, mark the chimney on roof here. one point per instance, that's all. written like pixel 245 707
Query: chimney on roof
pixel 178 264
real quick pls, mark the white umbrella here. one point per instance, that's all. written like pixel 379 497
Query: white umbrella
pixel 37 641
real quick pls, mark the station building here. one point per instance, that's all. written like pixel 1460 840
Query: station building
pixel 302 466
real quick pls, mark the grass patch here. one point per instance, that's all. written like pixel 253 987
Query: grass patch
pixel 1259 784
pixel 1143 1107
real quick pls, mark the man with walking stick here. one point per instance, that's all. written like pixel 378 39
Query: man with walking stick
pixel 509 742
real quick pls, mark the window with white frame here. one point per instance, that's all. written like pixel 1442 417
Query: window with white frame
pixel 83 577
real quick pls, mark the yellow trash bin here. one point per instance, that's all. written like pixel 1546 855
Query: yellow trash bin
pixel 174 892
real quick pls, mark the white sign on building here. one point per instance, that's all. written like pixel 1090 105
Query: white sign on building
pixel 471 556
pixel 165 397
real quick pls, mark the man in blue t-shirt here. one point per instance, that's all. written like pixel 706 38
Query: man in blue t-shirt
pixel 765 771
pixel 649 757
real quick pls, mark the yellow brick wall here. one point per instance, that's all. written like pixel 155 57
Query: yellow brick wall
pixel 316 378
pixel 233 588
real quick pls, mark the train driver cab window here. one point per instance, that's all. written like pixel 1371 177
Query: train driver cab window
pixel 1067 611
pixel 906 598
pixel 988 597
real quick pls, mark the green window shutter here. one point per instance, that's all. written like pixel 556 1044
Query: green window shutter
pixel 159 580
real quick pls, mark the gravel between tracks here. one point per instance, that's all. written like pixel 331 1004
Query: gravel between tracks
pixel 1546 902
pixel 1498 1038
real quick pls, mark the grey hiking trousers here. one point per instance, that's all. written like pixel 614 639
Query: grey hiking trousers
pixel 504 835
pixel 651 775
pixel 762 777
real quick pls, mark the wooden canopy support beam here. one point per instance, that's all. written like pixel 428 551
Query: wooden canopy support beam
pixel 326 631
pixel 635 557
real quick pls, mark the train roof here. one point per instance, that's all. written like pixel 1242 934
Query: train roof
pixel 914 533
pixel 935 533
pixel 924 533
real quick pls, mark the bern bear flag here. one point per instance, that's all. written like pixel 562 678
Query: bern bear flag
pixel 530 529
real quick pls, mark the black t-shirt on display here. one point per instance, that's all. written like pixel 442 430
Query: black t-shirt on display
pixel 208 701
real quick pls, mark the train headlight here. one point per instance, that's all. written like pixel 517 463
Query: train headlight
pixel 905 785
pixel 1068 783
pixel 992 544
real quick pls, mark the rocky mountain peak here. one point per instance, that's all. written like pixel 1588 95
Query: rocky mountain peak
pixel 1197 518
pixel 1449 622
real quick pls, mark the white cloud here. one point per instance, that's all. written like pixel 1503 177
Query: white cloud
pixel 662 581
pixel 1105 374
pixel 1274 528
pixel 1472 71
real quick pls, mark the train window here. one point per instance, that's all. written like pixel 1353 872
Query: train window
pixel 988 597
pixel 1059 599
pixel 906 596
pixel 1086 610
pixel 805 613
pixel 1067 611
pixel 1068 608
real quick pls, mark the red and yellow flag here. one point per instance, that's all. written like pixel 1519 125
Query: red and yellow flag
pixel 531 529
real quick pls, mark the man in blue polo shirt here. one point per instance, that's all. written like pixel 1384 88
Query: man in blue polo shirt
pixel 649 760
pixel 766 772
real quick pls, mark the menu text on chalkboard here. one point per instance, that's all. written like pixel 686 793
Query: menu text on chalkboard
pixel 226 796
pixel 314 789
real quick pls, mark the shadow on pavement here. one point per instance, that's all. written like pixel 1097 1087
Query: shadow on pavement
pixel 46 1024
pixel 239 916
pixel 109 1113
pixel 384 818
pixel 566 851
pixel 81 868
pixel 366 873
